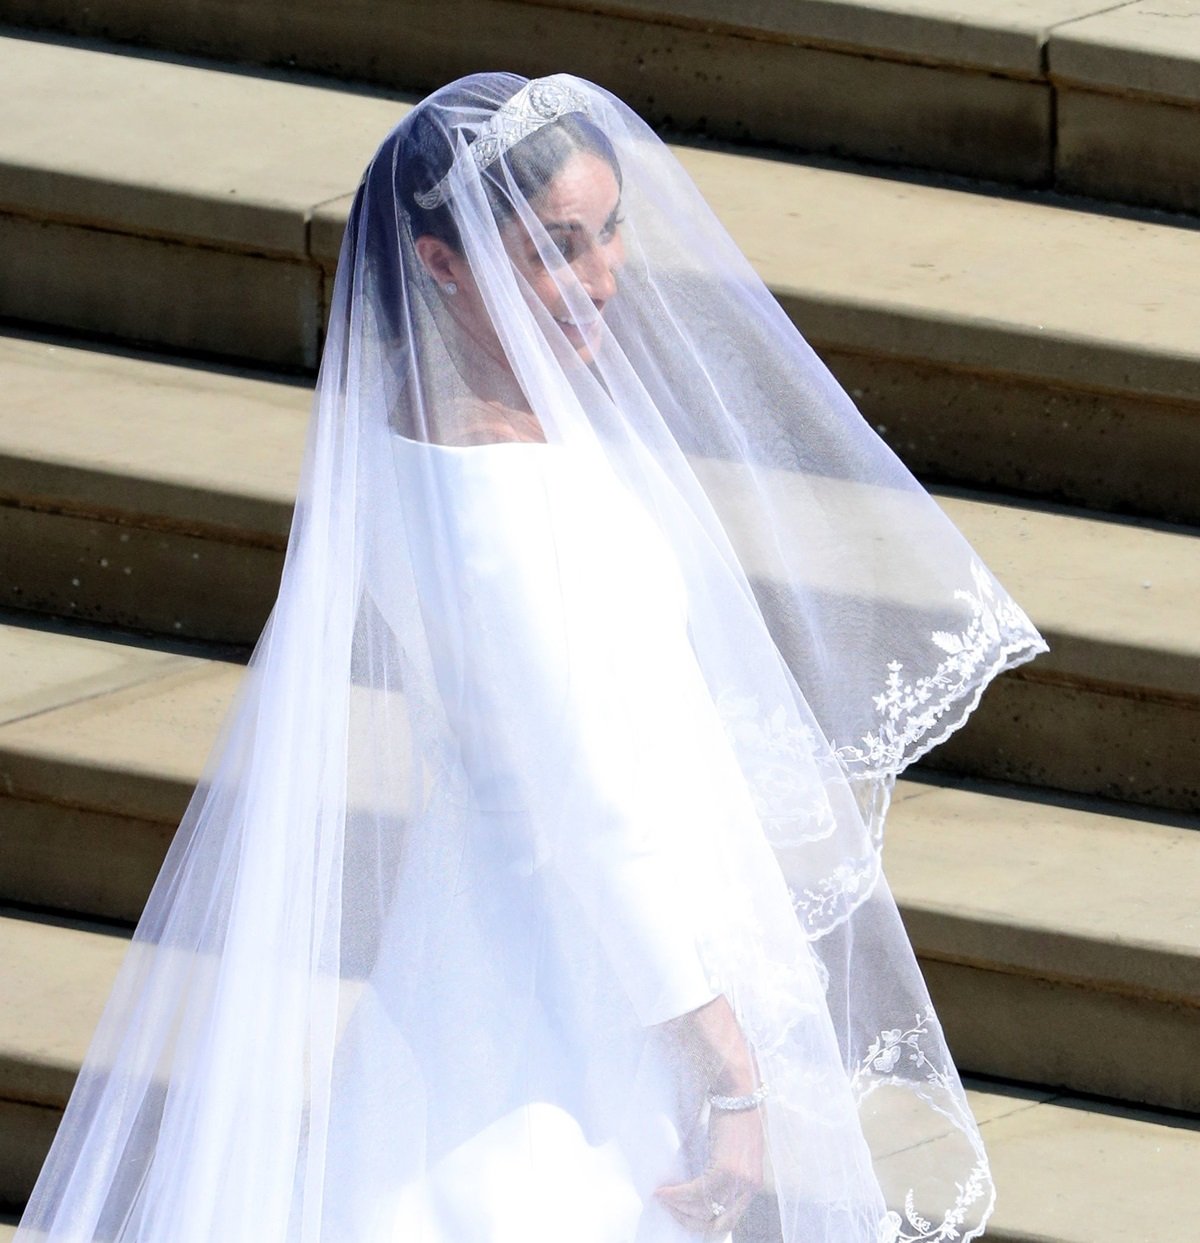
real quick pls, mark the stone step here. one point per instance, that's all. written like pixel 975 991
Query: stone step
pixel 105 742
pixel 1088 95
pixel 1032 916
pixel 157 497
pixel 980 332
pixel 143 493
pixel 1041 922
pixel 1069 1169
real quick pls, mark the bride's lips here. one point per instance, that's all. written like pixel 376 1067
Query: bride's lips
pixel 585 333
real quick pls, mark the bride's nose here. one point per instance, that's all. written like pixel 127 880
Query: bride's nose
pixel 597 274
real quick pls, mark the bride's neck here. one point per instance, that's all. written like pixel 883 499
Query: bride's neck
pixel 499 409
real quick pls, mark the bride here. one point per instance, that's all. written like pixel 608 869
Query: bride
pixel 532 892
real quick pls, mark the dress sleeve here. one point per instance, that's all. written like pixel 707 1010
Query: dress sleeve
pixel 580 712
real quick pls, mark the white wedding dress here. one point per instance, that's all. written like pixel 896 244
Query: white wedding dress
pixel 514 1016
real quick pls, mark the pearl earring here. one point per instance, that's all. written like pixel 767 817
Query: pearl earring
pixel 451 288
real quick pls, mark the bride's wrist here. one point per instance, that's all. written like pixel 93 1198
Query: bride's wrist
pixel 738 1102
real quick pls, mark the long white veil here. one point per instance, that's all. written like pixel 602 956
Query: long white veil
pixel 605 626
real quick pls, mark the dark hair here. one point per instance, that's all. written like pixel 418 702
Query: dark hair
pixel 417 155
pixel 531 164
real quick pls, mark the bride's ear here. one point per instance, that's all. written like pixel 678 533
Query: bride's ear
pixel 439 259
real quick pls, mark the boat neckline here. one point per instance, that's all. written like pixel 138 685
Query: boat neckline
pixel 487 444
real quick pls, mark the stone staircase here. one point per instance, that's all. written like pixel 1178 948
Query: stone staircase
pixel 1033 355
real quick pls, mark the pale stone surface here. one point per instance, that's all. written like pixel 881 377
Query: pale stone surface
pixel 134 752
pixel 80 861
pixel 163 293
pixel 862 262
pixel 217 587
pixel 326 229
pixel 108 433
pixel 243 441
pixel 1134 149
pixel 1151 46
pixel 1033 1030
pixel 54 981
pixel 25 1135
pixel 988 34
pixel 1040 926
pixel 1115 600
pixel 892 109
pixel 145 146
pixel 1062 892
pixel 1108 451
pixel 1004 35
pixel 948 276
pixel 1077 1172
pixel 1086 736
pixel 44 670
pixel 819 74
pixel 1124 618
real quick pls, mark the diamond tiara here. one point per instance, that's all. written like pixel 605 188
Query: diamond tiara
pixel 537 103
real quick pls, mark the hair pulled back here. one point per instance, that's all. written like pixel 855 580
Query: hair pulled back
pixel 428 149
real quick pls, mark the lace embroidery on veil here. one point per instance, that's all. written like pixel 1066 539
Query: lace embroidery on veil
pixel 915 716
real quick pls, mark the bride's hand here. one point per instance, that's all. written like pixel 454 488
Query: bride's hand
pixel 732 1176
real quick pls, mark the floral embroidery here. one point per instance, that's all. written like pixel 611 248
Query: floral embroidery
pixel 822 904
pixel 878 1065
pixel 777 751
pixel 909 710
pixel 889 1228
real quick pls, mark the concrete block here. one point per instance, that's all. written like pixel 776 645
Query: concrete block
pixel 808 98
pixel 1078 891
pixel 1090 739
pixel 1135 634
pixel 1082 1171
pixel 997 35
pixel 1041 920
pixel 677 75
pixel 185 297
pixel 135 438
pixel 44 670
pixel 192 152
pixel 877 266
pixel 138 576
pixel 26 1132
pixel 1129 149
pixel 1149 47
pixel 54 981
pixel 137 752
pixel 931 83
pixel 79 861
pixel 1016 1027
pixel 1110 452
pixel 326 227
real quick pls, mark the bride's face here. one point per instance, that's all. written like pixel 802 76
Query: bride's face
pixel 580 211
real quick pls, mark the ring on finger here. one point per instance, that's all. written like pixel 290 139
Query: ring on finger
pixel 716 1208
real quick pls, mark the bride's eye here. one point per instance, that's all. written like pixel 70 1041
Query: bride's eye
pixel 610 229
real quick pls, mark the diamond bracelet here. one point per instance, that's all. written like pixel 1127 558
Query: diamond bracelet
pixel 736 1104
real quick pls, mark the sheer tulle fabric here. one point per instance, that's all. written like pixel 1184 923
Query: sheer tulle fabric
pixel 545 746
